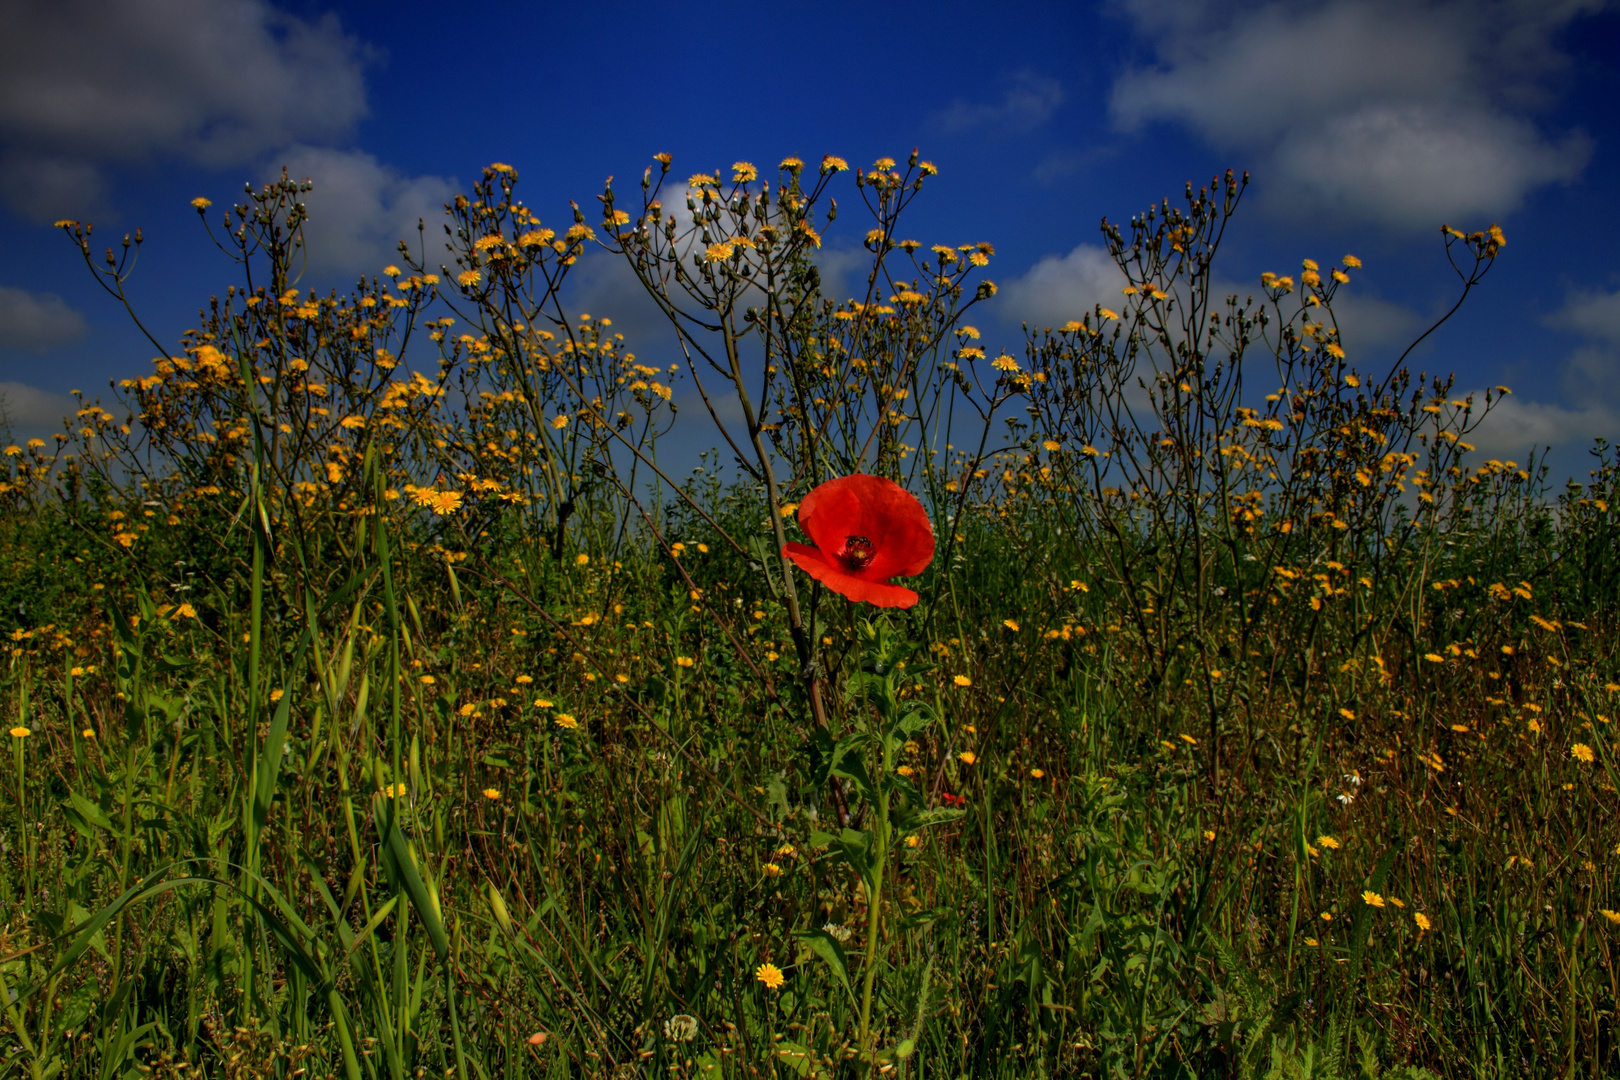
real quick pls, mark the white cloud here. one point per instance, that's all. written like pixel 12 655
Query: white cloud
pixel 360 209
pixel 1368 322
pixel 1597 315
pixel 1059 288
pixel 1408 114
pixel 1514 427
pixel 27 409
pixel 1024 106
pixel 37 322
pixel 86 83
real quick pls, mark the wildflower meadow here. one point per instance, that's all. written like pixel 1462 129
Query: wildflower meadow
pixel 1168 693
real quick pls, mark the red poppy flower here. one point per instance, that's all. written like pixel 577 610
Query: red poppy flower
pixel 866 530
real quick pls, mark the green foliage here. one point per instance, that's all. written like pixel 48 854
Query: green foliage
pixel 370 723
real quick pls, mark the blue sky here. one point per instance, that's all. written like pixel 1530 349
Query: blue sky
pixel 1365 125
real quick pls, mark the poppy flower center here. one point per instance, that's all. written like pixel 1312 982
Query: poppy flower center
pixel 856 553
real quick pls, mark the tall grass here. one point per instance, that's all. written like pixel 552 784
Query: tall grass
pixel 377 715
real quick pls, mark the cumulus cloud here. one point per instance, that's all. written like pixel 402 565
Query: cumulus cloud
pixel 1025 105
pixel 1059 288
pixel 87 83
pixel 26 410
pixel 1407 114
pixel 37 322
pixel 360 209
pixel 1592 369
pixel 1514 428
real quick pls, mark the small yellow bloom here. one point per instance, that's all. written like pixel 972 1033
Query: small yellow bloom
pixel 582 559
pixel 1581 752
pixel 394 790
pixel 1011 624
pixel 277 695
pixel 1371 898
pixel 1209 835
pixel 772 870
pixel 684 661
pixel 1422 921
pixel 1327 916
pixel 913 840
pixel 88 733
pixel 1037 773
pixel 566 721
pixel 1328 842
pixel 770 975
pixel 200 203
pixel 468 279
pixel 541 703
pixel 1612 916
pixel 492 793
pixel 560 422
pixel 962 680
pixel 20 732
pixel 185 611
pixel 428 680
pixel 967 757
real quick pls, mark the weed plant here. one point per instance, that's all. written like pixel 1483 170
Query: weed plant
pixel 383 707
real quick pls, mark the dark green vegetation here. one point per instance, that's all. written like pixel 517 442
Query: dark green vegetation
pixel 375 725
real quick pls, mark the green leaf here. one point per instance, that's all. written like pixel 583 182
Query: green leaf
pixel 922 819
pixel 90 811
pixel 831 951
pixel 795 1056
pixel 400 863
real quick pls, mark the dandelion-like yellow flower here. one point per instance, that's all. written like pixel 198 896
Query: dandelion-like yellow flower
pixel 492 793
pixel 582 559
pixel 1612 916
pixel 829 163
pixel 467 279
pixel 566 722
pixel 88 733
pixel 199 202
pixel 541 703
pixel 1328 842
pixel 1011 624
pixel 428 680
pixel 185 611
pixel 1422 921
pixel 20 732
pixel 967 757
pixel 1037 773
pixel 560 422
pixel 770 974
pixel 742 172
pixel 1371 898
pixel 1581 752
pixel 1051 446
pixel 962 680
pixel 772 869
pixel 684 661
pixel 393 791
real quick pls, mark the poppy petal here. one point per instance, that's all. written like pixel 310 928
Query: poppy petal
pixel 815 563
pixel 878 509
